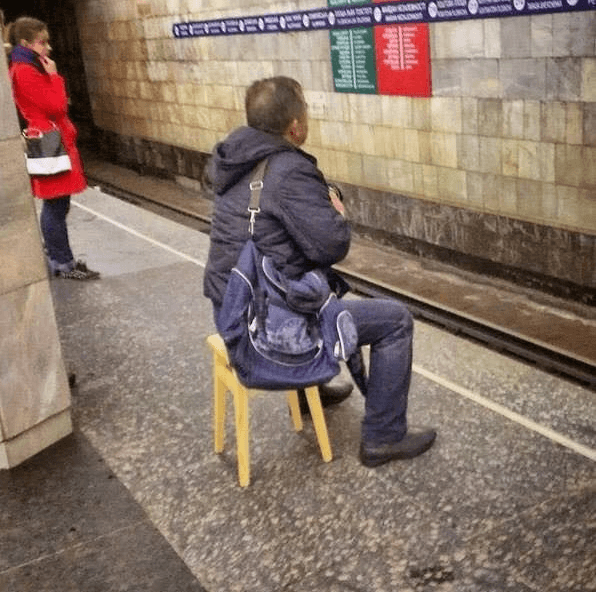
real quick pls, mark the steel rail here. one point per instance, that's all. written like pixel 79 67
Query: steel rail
pixel 496 339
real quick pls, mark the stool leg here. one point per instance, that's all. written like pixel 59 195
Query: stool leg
pixel 241 413
pixel 318 420
pixel 295 410
pixel 219 403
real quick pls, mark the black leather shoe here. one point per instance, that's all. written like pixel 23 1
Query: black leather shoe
pixel 331 393
pixel 335 392
pixel 415 442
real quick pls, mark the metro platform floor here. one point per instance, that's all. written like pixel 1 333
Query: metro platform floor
pixel 136 499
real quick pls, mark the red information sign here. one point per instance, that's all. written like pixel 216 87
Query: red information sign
pixel 403 60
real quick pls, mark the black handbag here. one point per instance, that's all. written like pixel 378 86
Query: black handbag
pixel 45 152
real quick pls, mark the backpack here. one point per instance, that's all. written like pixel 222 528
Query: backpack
pixel 279 332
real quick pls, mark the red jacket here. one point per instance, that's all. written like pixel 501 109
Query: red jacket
pixel 42 101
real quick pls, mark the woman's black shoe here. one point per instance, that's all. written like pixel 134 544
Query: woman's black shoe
pixel 79 272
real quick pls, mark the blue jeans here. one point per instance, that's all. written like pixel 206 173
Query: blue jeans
pixel 55 233
pixel 387 326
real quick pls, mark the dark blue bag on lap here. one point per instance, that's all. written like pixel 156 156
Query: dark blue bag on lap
pixel 282 333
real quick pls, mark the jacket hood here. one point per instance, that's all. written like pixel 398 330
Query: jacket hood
pixel 239 153
pixel 23 55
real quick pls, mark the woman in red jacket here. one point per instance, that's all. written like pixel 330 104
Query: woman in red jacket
pixel 40 96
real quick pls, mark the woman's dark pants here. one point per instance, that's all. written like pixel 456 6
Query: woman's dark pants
pixel 55 233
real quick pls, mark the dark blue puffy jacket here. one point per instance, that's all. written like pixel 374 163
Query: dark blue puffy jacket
pixel 297 225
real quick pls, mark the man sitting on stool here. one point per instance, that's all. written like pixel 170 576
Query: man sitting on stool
pixel 301 226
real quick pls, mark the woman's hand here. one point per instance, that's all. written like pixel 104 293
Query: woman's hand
pixel 48 64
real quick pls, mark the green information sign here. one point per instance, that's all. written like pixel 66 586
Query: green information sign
pixel 353 61
pixel 352 52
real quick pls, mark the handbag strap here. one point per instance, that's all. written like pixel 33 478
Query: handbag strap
pixel 256 187
pixel 36 133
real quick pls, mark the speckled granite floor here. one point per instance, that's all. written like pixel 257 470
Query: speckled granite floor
pixel 137 500
pixel 69 525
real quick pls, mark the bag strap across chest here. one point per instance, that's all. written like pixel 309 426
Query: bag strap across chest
pixel 256 187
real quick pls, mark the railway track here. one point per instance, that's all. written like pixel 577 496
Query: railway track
pixel 493 337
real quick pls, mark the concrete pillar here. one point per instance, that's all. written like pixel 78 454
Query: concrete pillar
pixel 34 393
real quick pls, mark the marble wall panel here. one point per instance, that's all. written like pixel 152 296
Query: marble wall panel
pixel 532 126
pixel 468 152
pixel 22 257
pixel 563 79
pixel 452 185
pixel 443 149
pixel 541 36
pixel 569 165
pixel 573 34
pixel 20 245
pixel 470 115
pixel 492 38
pixel 490 117
pixel 510 158
pixel 33 382
pixel 574 122
pixel 516 38
pixel 9 126
pixel 553 122
pixel 446 114
pixel 458 40
pixel 482 78
pixel 523 78
pixel 490 150
pixel 447 77
pixel 589 80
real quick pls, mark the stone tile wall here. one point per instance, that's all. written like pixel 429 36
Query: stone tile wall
pixel 34 393
pixel 510 129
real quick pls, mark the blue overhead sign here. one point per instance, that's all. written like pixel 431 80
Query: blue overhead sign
pixel 367 15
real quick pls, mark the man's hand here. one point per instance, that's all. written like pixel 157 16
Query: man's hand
pixel 336 201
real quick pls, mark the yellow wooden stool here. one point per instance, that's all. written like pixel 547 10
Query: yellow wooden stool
pixel 224 379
